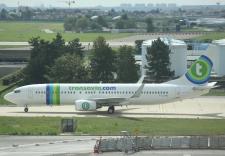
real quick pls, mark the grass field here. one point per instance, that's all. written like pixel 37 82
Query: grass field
pixel 2 86
pixel 23 31
pixel 112 126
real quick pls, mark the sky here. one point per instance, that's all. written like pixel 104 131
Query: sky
pixel 91 3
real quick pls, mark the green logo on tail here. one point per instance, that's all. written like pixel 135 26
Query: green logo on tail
pixel 199 72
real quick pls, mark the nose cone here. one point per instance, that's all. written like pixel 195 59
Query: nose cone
pixel 9 97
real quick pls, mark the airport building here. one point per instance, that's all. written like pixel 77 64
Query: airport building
pixel 216 52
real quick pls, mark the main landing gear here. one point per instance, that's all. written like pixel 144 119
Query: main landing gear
pixel 111 109
pixel 26 109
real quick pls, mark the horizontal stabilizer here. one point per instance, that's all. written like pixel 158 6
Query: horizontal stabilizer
pixel 208 86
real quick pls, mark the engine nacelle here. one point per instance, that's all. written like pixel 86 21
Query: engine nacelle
pixel 85 105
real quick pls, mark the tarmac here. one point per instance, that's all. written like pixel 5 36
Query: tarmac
pixel 205 107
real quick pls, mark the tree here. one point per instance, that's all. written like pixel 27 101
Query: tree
pixel 26 14
pixel 68 68
pixel 120 24
pixel 138 46
pixel 129 24
pixel 124 17
pixel 75 47
pixel 101 21
pixel 158 61
pixel 125 24
pixel 82 23
pixel 70 24
pixel 95 26
pixel 102 61
pixel 36 67
pixel 3 14
pixel 150 26
pixel 127 70
pixel 57 47
pixel 43 55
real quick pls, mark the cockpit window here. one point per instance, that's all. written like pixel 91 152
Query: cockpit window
pixel 17 91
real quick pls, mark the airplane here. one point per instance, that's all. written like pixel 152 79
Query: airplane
pixel 90 97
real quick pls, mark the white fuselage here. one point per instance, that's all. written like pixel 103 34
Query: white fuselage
pixel 67 94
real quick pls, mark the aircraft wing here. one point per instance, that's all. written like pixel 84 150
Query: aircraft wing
pixel 118 100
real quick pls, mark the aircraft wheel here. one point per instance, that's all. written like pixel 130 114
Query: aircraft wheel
pixel 111 109
pixel 26 109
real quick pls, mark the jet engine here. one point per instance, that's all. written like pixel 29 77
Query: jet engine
pixel 85 105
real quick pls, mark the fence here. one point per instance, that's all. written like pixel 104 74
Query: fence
pixel 127 144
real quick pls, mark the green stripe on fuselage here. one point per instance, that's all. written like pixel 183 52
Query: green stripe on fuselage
pixel 56 94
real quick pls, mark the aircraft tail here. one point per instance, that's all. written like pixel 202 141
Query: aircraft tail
pixel 197 75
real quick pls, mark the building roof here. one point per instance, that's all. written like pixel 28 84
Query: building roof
pixel 166 40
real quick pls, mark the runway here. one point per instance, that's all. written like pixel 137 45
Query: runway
pixel 203 108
